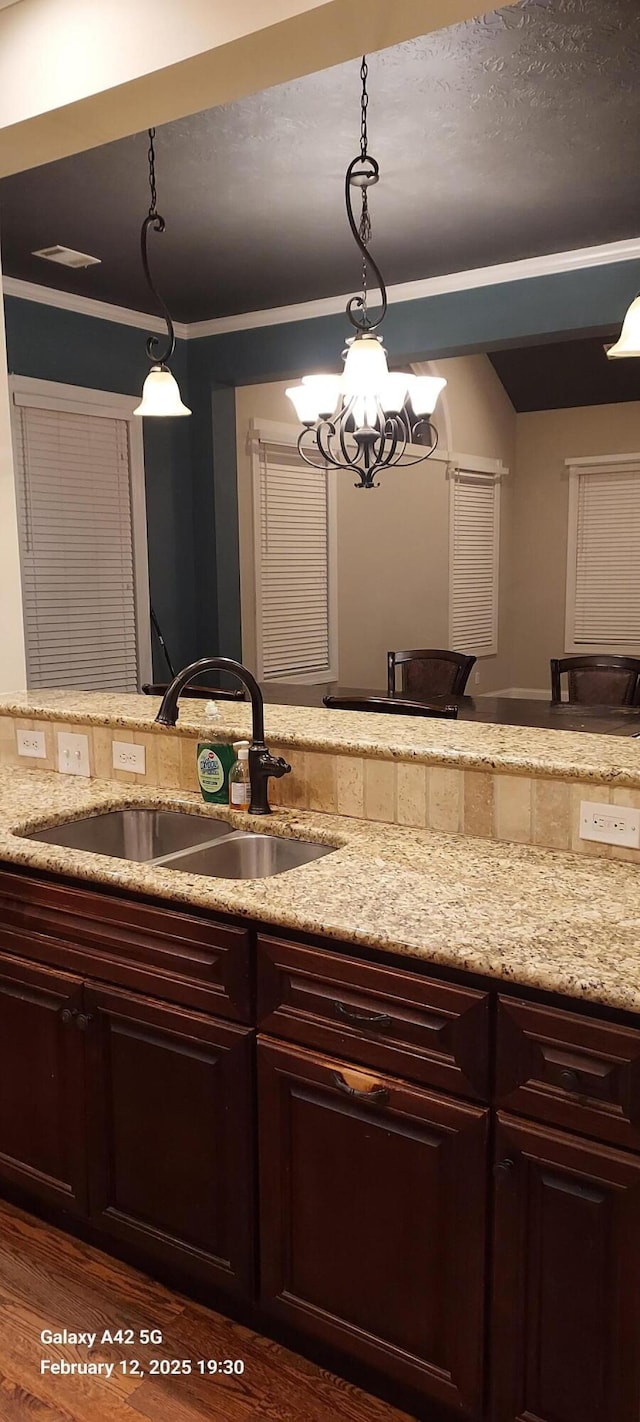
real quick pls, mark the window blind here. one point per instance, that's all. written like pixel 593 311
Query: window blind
pixel 76 549
pixel 293 572
pixel 474 552
pixel 607 540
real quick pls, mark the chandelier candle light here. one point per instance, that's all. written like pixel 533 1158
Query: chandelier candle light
pixel 160 392
pixel 365 419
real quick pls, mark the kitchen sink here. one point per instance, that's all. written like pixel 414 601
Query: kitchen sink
pixel 138 834
pixel 249 856
pixel 196 844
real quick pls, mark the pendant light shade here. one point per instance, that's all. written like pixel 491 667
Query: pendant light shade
pixel 629 342
pixel 369 418
pixel 161 395
pixel 160 392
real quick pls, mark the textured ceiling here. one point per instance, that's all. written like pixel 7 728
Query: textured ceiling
pixel 565 374
pixel 505 137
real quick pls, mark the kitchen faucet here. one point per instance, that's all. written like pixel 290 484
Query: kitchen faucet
pixel 262 763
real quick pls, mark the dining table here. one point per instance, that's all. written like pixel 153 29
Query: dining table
pixel 495 710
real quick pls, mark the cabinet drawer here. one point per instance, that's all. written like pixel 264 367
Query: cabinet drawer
pixel 189 959
pixel 570 1070
pixel 412 1026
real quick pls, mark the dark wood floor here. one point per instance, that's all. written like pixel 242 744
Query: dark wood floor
pixel 48 1280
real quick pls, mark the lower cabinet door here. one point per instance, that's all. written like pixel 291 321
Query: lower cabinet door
pixel 566 1316
pixel 171 1122
pixel 42 1106
pixel 373 1220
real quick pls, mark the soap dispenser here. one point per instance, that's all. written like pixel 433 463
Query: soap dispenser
pixel 239 780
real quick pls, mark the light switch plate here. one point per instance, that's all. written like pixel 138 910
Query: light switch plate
pixel 32 743
pixel 73 753
pixel 610 824
pixel 126 756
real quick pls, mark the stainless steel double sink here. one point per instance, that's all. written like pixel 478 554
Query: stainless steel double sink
pixel 195 844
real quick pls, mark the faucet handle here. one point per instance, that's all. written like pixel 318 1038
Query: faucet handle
pixel 278 766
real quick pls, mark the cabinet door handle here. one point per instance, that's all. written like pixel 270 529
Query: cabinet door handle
pixel 68 1016
pixel 378 1093
pixel 362 1019
pixel 83 1021
pixel 504 1167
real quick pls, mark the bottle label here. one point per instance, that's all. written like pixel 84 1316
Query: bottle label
pixel 240 793
pixel 210 771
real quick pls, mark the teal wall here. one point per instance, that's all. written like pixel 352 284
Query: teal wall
pixel 192 510
pixel 50 344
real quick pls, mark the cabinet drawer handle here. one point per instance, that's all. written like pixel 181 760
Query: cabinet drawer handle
pixel 68 1016
pixel 570 1080
pixel 362 1019
pixel 83 1021
pixel 379 1093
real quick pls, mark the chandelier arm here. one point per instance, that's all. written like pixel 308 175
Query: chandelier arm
pixel 155 221
pixel 325 432
pixel 358 302
pixel 408 463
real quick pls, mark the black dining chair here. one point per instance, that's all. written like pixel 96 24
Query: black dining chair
pixel 429 672
pixel 596 680
pixel 394 705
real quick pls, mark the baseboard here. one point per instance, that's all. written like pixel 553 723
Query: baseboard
pixel 519 693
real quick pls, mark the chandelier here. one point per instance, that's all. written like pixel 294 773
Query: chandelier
pixel 160 392
pixel 368 418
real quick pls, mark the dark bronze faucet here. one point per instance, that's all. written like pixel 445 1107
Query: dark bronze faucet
pixel 262 763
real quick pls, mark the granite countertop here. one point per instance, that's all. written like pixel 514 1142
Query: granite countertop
pixel 466 745
pixel 557 922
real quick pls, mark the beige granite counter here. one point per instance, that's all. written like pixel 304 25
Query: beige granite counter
pixel 548 920
pixel 465 745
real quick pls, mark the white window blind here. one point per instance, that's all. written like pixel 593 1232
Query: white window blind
pixel 75 528
pixel 603 587
pixel 294 604
pixel 473 563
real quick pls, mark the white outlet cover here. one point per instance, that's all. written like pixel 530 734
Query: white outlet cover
pixel 32 743
pixel 73 754
pixel 126 756
pixel 610 824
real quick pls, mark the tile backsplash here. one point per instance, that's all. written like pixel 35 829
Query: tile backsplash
pixel 519 809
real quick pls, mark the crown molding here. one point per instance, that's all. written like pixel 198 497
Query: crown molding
pixel 86 306
pixel 554 264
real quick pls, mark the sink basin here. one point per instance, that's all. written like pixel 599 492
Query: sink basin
pixel 197 844
pixel 138 834
pixel 249 856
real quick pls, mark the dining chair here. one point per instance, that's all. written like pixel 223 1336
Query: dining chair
pixel 394 705
pixel 596 680
pixel 429 672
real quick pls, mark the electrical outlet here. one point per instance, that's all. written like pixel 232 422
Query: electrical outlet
pixel 73 754
pixel 610 824
pixel 32 743
pixel 126 756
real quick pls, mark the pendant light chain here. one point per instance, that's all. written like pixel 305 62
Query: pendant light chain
pixel 153 205
pixel 365 217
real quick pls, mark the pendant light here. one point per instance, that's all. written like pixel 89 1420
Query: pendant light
pixel 629 340
pixel 160 392
pixel 366 418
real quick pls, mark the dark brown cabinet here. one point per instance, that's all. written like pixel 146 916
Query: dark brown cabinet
pixel 495 1291
pixel 42 1087
pixel 170 1134
pixel 566 1285
pixel 373 1219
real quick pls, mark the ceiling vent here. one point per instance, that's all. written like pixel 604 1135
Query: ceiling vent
pixel 66 257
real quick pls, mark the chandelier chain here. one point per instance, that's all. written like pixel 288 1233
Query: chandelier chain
pixel 153 205
pixel 364 104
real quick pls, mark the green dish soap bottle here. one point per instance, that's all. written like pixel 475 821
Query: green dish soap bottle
pixel 214 763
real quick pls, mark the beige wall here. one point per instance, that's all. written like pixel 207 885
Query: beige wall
pixel 393 542
pixel 75 74
pixel 545 440
pixel 12 662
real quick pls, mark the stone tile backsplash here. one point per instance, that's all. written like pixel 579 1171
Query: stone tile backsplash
pixel 517 809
